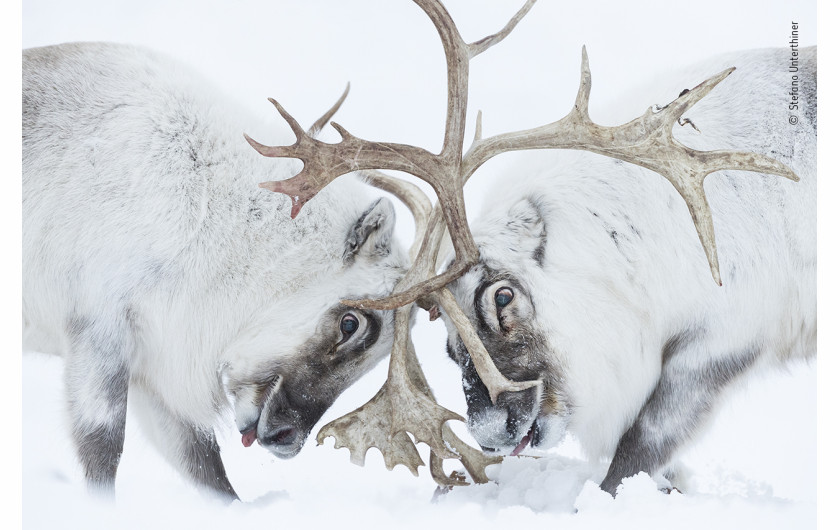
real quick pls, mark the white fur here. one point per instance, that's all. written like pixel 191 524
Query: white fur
pixel 141 204
pixel 607 309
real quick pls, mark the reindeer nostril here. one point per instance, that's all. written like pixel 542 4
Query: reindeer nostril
pixel 284 435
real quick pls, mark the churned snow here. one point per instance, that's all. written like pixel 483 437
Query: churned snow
pixel 755 468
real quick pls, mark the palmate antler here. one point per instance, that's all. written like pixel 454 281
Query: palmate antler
pixel 405 403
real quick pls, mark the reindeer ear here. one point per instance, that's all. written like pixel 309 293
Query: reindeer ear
pixel 526 229
pixel 371 235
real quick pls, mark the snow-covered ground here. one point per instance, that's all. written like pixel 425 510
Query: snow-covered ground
pixel 755 468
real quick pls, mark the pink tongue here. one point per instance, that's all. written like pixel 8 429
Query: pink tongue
pixel 523 444
pixel 249 437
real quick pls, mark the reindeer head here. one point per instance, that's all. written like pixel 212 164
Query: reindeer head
pixel 288 367
pixel 502 297
pixel 405 403
pixel 299 353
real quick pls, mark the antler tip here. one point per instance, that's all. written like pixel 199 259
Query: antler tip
pixel 788 173
pixel 296 128
pixel 720 77
pixel 296 206
pixel 260 148
pixel 713 264
pixel 341 130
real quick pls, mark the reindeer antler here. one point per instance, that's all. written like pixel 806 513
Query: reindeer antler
pixel 325 162
pixel 405 403
pixel 646 141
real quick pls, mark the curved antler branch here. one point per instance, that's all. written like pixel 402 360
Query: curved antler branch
pixel 405 404
pixel 480 46
pixel 323 120
pixel 647 141
pixel 324 162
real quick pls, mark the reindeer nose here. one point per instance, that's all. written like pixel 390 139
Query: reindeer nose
pixel 282 435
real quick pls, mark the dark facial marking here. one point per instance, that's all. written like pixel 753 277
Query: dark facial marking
pixel 518 352
pixel 313 380
pixel 488 278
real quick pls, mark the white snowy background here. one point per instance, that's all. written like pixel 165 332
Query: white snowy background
pixel 756 467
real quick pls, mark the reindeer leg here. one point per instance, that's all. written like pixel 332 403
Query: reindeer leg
pixel 189 448
pixel 692 378
pixel 96 377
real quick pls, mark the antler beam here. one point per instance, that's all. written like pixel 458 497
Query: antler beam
pixel 405 403
pixel 323 162
pixel 647 141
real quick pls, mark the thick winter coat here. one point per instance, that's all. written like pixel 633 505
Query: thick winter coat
pixel 592 278
pixel 153 262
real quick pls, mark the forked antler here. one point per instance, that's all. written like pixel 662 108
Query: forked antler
pixel 646 141
pixel 323 162
pixel 405 403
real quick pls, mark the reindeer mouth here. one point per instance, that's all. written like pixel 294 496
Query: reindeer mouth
pixel 524 442
pixel 532 438
pixel 249 435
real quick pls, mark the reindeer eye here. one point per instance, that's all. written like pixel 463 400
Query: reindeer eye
pixel 349 325
pixel 503 297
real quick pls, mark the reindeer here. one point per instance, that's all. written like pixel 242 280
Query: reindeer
pixel 589 282
pixel 581 303
pixel 153 262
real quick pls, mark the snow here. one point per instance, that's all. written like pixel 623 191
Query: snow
pixel 756 467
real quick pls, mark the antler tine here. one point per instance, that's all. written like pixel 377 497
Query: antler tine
pixel 495 382
pixel 585 87
pixel 647 141
pixel 323 120
pixel 424 264
pixel 325 162
pixel 480 46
